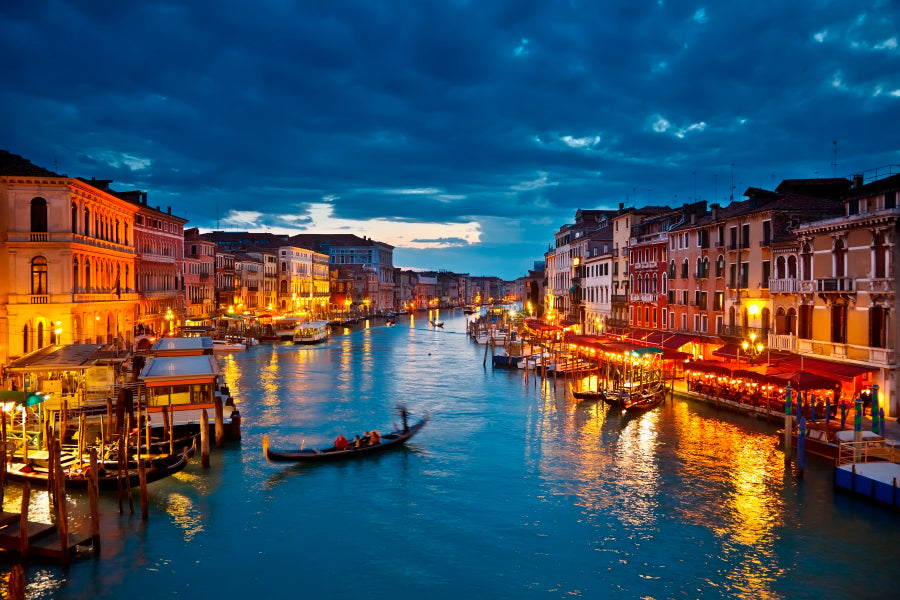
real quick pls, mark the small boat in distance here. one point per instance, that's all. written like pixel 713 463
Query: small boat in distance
pixel 227 346
pixel 388 440
pixel 311 332
pixel 437 323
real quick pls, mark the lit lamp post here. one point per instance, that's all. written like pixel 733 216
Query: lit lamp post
pixel 752 348
pixel 169 317
pixel 58 332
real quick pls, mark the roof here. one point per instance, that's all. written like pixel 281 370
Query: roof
pixel 72 357
pixel 175 370
pixel 876 187
pixel 182 345
pixel 13 164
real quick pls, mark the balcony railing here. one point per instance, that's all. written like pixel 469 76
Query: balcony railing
pixel 834 284
pixel 643 297
pixel 701 304
pixel 786 342
pixel 39 237
pixel 617 322
pixel 41 299
pixel 784 286
pixel 619 298
pixel 739 331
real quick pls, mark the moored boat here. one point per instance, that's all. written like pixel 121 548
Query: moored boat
pixel 108 479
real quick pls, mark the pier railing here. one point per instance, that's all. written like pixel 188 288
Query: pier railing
pixel 879 450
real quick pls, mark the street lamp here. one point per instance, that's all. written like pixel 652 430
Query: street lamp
pixel 752 348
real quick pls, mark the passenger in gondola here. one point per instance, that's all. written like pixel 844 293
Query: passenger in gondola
pixel 341 442
pixel 365 439
pixel 374 438
pixel 357 441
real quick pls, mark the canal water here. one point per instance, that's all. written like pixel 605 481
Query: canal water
pixel 512 490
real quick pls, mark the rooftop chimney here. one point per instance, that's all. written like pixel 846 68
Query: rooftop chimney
pixel 857 180
pixel 714 208
pixel 693 218
pixel 169 209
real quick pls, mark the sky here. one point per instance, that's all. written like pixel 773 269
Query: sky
pixel 463 133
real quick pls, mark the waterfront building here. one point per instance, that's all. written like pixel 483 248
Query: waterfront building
pixel 199 280
pixel 563 299
pixel 425 291
pixel 847 290
pixel 596 280
pixel 303 285
pixel 348 249
pixel 159 269
pixel 250 282
pixel 649 274
pixel 405 282
pixel 67 260
pixel 227 298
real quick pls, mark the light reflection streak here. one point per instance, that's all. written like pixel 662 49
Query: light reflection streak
pixel 184 514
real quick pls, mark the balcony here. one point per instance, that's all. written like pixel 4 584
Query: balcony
pixel 741 332
pixel 701 304
pixel 157 258
pixel 40 299
pixel 765 243
pixel 786 342
pixel 644 297
pixel 39 237
pixel 784 286
pixel 880 285
pixel 838 285
pixel 617 323
pixel 619 299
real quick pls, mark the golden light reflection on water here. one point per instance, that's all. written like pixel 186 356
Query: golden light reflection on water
pixel 638 468
pixel 184 514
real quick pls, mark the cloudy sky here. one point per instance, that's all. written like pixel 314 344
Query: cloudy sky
pixel 464 133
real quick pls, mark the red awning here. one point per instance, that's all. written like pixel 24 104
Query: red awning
pixel 708 366
pixel 843 371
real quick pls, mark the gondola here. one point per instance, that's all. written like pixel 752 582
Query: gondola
pixel 590 395
pixel 388 440
pixel 643 402
pixel 437 324
pixel 159 469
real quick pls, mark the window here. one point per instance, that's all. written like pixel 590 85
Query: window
pixel 840 254
pixel 878 249
pixel 839 324
pixel 745 275
pixel 878 327
pixel 767 233
pixel 75 275
pixel 805 322
pixel 39 215
pixel 720 266
pixel 733 244
pixel 74 218
pixel 765 274
pixel 720 236
pixel 890 200
pixel 745 236
pixel 39 276
pixel 806 262
pixel 719 301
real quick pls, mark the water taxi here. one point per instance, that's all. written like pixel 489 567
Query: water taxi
pixel 311 332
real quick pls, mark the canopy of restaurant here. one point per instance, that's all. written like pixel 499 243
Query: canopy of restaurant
pixel 708 366
pixel 842 371
pixel 661 339
pixel 540 326
pixel 802 380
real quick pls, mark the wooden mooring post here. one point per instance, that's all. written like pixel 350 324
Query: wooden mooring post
pixel 220 422
pixel 204 439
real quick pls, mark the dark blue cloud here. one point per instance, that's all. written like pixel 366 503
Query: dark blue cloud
pixel 519 111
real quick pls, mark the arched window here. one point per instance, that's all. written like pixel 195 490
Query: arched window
pixel 74 218
pixel 25 336
pixel 780 268
pixel 40 335
pixel 117 231
pixel 38 215
pixel 839 253
pixel 75 281
pixel 87 222
pixel 720 266
pixel 88 284
pixel 39 276
pixel 806 262
pixel 792 267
